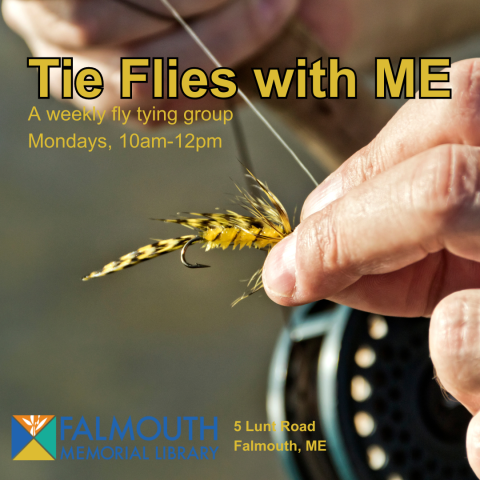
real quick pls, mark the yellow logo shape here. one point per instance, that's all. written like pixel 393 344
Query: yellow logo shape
pixel 33 451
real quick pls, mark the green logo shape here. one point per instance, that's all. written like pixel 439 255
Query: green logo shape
pixel 48 439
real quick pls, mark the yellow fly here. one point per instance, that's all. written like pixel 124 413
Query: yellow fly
pixel 268 224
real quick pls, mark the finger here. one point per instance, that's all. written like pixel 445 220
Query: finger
pixel 419 125
pixel 81 23
pixel 473 444
pixel 412 291
pixel 455 350
pixel 455 346
pixel 417 208
pixel 232 33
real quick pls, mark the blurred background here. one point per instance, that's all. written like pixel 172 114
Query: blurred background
pixel 158 339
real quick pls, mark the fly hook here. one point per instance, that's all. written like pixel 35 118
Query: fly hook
pixel 184 251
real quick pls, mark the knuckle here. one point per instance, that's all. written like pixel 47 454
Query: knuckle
pixel 455 341
pixel 71 24
pixel 319 240
pixel 373 159
pixel 448 182
pixel 465 77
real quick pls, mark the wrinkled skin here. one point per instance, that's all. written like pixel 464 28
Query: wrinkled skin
pixel 396 231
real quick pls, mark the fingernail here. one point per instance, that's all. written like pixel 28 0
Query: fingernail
pixel 329 191
pixel 279 270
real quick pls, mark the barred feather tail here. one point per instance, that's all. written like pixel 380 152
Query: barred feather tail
pixel 141 255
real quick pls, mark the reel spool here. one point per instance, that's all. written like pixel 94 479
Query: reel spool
pixel 368 383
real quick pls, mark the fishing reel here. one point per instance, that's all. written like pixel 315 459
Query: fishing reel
pixel 367 382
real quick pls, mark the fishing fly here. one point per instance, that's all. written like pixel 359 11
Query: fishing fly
pixel 267 224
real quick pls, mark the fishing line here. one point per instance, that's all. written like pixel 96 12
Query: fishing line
pixel 237 128
pixel 210 55
pixel 241 144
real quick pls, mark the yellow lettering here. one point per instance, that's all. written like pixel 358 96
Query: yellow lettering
pixel 200 83
pixel 426 77
pixel 44 65
pixel 334 75
pixel 219 80
pixel 273 81
pixel 127 77
pixel 405 77
pixel 34 113
pixel 89 83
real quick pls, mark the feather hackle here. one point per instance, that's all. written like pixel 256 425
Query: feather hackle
pixel 267 224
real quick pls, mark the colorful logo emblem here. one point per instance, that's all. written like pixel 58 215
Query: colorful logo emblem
pixel 34 437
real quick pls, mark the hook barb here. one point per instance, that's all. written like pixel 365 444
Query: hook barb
pixel 184 251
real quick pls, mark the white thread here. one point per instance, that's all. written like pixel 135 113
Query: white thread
pixel 210 55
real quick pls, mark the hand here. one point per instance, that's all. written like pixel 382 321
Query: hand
pixel 97 33
pixel 396 231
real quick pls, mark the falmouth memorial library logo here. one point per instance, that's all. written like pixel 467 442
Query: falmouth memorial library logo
pixel 34 437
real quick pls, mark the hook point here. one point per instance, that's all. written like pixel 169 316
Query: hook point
pixel 184 251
